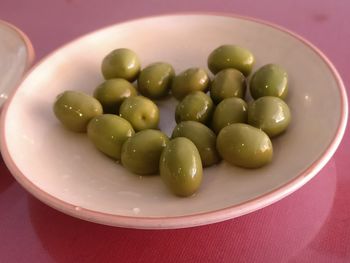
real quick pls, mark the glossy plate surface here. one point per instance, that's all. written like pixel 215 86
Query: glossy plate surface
pixel 64 170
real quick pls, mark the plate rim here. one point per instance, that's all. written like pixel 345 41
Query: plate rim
pixel 26 40
pixel 198 218
pixel 30 54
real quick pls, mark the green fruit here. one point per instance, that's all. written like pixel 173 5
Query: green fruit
pixel 202 137
pixel 112 93
pixel 75 109
pixel 193 79
pixel 141 152
pixel 269 80
pixel 196 106
pixel 108 132
pixel 244 145
pixel 155 80
pixel 181 167
pixel 229 111
pixel 231 56
pixel 226 84
pixel 121 63
pixel 141 112
pixel 270 114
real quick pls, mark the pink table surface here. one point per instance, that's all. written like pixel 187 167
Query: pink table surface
pixel 311 225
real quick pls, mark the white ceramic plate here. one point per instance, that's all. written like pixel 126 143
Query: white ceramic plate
pixel 17 54
pixel 65 171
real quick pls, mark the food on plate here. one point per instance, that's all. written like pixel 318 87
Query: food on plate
pixel 269 80
pixel 141 112
pixel 270 114
pixel 112 93
pixel 155 80
pixel 227 83
pixel 141 152
pixel 229 111
pixel 244 146
pixel 231 56
pixel 108 132
pixel 202 137
pixel 196 106
pixel 181 167
pixel 75 109
pixel 209 128
pixel 192 79
pixel 121 63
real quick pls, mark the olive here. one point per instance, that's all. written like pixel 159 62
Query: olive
pixel 231 56
pixel 141 152
pixel 181 167
pixel 193 79
pixel 244 145
pixel 270 114
pixel 269 80
pixel 121 63
pixel 229 111
pixel 108 132
pixel 227 83
pixel 112 93
pixel 196 106
pixel 141 112
pixel 203 137
pixel 75 109
pixel 155 80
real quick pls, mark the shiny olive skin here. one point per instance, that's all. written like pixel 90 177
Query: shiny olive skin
pixel 244 145
pixel 269 80
pixel 192 79
pixel 121 63
pixel 196 106
pixel 112 93
pixel 155 80
pixel 108 132
pixel 231 56
pixel 203 137
pixel 180 167
pixel 226 84
pixel 141 112
pixel 75 109
pixel 270 114
pixel 229 111
pixel 141 152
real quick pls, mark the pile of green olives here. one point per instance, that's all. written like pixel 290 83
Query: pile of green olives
pixel 214 120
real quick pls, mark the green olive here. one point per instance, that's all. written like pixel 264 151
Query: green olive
pixel 231 56
pixel 269 80
pixel 193 79
pixel 121 63
pixel 244 145
pixel 108 132
pixel 270 114
pixel 203 137
pixel 112 93
pixel 155 80
pixel 229 111
pixel 181 167
pixel 196 106
pixel 141 112
pixel 141 152
pixel 75 109
pixel 226 84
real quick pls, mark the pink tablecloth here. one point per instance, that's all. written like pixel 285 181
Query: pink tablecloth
pixel 311 225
